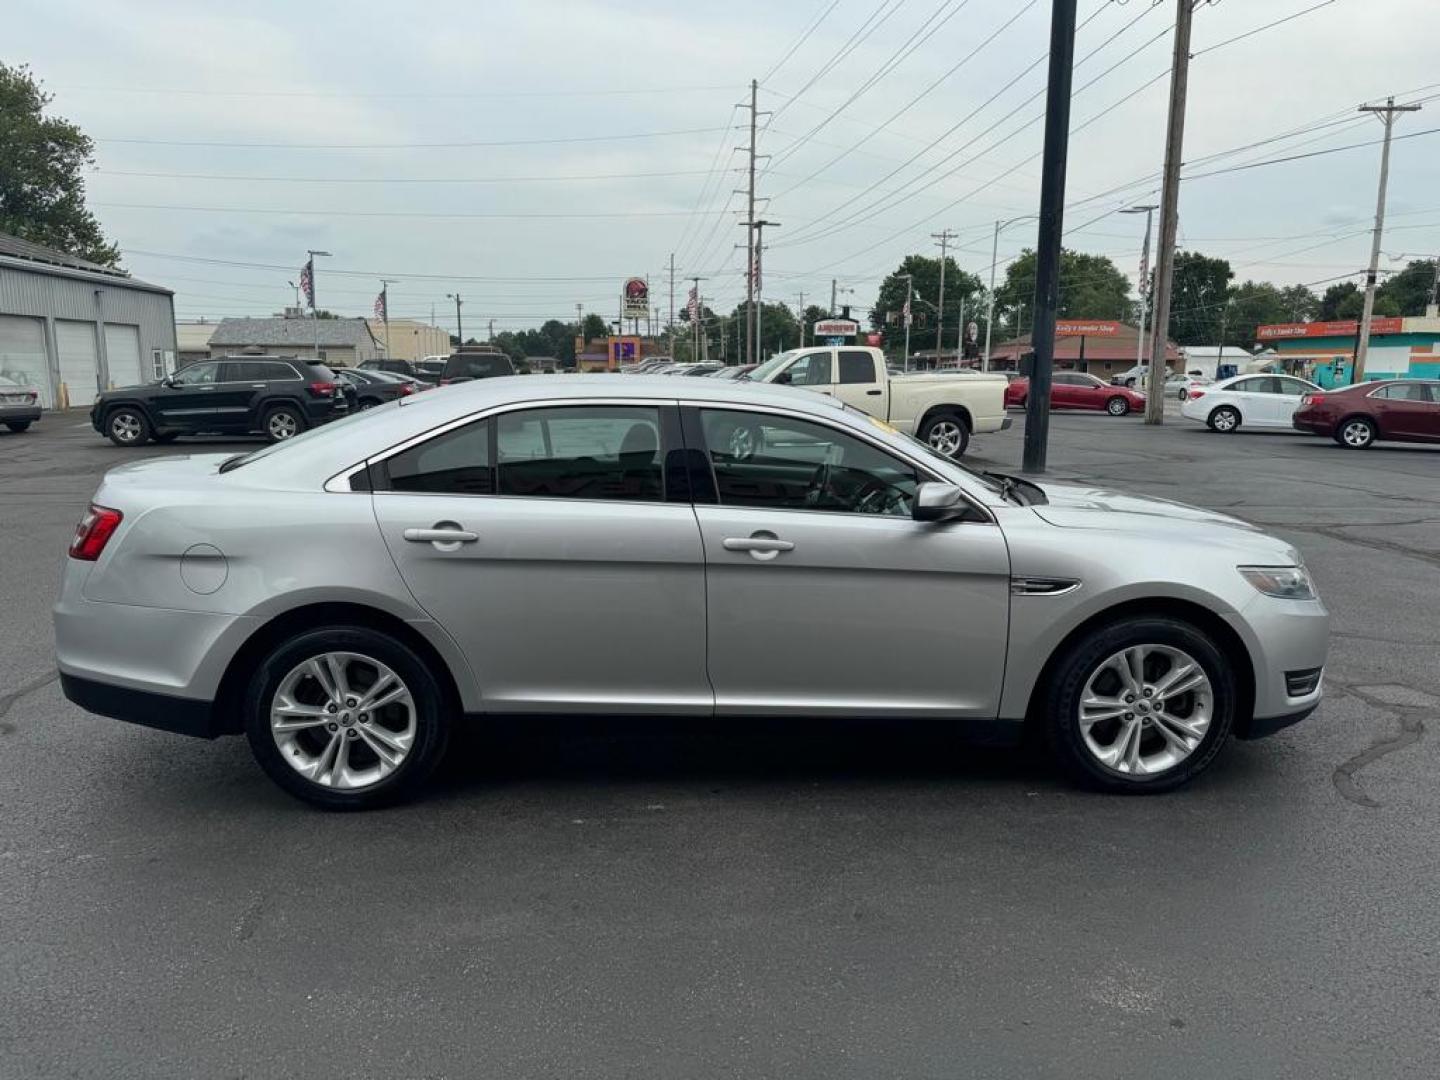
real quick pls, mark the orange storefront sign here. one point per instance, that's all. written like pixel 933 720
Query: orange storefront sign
pixel 1282 331
pixel 1086 328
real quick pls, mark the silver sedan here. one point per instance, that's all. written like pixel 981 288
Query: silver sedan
pixel 691 547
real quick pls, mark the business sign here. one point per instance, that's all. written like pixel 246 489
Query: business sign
pixel 828 328
pixel 636 299
pixel 1086 328
pixel 1346 328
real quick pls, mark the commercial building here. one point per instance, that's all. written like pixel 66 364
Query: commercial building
pixel 71 328
pixel 1324 352
pixel 338 342
pixel 1099 346
pixel 411 339
pixel 192 340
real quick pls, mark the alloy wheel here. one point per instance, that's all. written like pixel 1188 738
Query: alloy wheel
pixel 1145 709
pixel 343 720
pixel 126 427
pixel 945 437
pixel 1118 407
pixel 282 425
pixel 1224 420
pixel 1357 433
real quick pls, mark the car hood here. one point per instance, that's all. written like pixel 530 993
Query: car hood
pixel 1075 506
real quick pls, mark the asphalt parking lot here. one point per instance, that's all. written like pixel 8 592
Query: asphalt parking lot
pixel 713 902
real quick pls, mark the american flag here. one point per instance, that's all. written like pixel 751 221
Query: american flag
pixel 382 310
pixel 906 311
pixel 693 304
pixel 307 281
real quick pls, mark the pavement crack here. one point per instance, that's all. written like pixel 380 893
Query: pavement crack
pixel 9 699
pixel 1410 733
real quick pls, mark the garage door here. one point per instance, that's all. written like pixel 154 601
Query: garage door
pixel 122 349
pixel 22 354
pixel 79 361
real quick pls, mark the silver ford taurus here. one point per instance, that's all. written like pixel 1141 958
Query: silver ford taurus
pixel 606 545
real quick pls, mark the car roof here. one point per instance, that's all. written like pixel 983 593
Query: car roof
pixel 327 450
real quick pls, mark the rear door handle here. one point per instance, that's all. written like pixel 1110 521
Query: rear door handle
pixel 762 546
pixel 454 536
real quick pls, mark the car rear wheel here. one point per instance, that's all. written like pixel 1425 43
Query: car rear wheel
pixel 18 426
pixel 346 718
pixel 127 427
pixel 283 422
pixel 1117 406
pixel 1357 433
pixel 1224 419
pixel 1139 706
pixel 946 433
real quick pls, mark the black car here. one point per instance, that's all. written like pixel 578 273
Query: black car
pixel 277 396
pixel 427 371
pixel 464 366
pixel 377 387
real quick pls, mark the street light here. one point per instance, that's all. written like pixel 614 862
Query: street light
pixel 314 310
pixel 459 331
pixel 905 314
pixel 1000 226
pixel 1149 212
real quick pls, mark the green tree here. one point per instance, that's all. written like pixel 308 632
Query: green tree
pixel 812 314
pixel 1301 305
pixel 961 289
pixel 779 330
pixel 1198 297
pixel 1353 306
pixel 1334 296
pixel 1091 287
pixel 42 191
pixel 595 328
pixel 1253 304
pixel 1411 288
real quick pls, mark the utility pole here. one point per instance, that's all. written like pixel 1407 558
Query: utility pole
pixel 1169 212
pixel 459 330
pixel 385 284
pixel 801 310
pixel 756 282
pixel 1149 212
pixel 1386 114
pixel 751 330
pixel 1052 229
pixel 906 315
pixel 944 236
pixel 670 326
pixel 491 338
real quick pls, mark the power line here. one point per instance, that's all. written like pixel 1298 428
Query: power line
pixel 1260 29
pixel 408 146
pixel 546 179
pixel 388 95
pixel 804 37
pixel 876 19
pixel 1311 154
pixel 458 215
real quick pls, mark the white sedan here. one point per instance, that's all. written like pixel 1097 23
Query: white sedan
pixel 1257 401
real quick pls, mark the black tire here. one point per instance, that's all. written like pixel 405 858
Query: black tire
pixel 282 422
pixel 165 438
pixel 431 709
pixel 1117 406
pixel 17 426
pixel 949 428
pixel 127 426
pixel 1073 668
pixel 1356 433
pixel 1225 419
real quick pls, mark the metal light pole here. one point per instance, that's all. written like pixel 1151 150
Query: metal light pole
pixel 1149 212
pixel 459 330
pixel 1000 226
pixel 905 314
pixel 385 284
pixel 314 306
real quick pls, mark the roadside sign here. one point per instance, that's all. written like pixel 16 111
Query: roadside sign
pixel 836 328
pixel 636 302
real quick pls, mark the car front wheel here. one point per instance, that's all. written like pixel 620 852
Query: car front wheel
pixel 346 718
pixel 1117 406
pixel 127 427
pixel 1224 419
pixel 1140 706
pixel 947 434
pixel 1357 433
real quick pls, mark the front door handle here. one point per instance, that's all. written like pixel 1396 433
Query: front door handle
pixel 874 393
pixel 761 545
pixel 451 536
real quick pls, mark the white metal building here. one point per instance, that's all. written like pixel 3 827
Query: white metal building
pixel 72 328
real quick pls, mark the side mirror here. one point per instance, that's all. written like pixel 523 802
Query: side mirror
pixel 169 381
pixel 939 502
pixel 783 377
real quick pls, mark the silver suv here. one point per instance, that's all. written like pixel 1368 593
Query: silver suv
pixel 678 547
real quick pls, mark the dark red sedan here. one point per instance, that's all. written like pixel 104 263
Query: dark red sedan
pixel 1398 410
pixel 1078 390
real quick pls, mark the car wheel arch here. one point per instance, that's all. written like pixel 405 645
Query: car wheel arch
pixel 1226 638
pixel 230 692
pixel 959 411
pixel 1373 421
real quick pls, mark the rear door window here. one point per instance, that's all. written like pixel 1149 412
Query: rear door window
pixel 581 452
pixel 856 367
pixel 458 462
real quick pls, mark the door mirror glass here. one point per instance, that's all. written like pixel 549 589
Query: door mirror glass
pixel 939 502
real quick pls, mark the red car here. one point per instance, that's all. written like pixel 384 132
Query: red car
pixel 1398 410
pixel 1077 390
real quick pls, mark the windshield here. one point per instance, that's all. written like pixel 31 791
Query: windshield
pixel 774 364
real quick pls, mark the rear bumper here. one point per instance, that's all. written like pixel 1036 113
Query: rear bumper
pixel 181 716
pixel 1006 423
pixel 1313 425
pixel 19 414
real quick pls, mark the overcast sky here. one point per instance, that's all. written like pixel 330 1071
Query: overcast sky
pixel 456 146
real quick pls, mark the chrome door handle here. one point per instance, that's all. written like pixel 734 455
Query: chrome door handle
pixel 440 536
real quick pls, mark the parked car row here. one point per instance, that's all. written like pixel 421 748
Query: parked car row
pixel 1077 390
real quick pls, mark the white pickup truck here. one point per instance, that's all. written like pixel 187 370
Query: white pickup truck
pixel 939 408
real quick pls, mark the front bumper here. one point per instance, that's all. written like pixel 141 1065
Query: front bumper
pixel 1284 637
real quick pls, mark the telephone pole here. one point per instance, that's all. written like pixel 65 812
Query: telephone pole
pixel 1386 114
pixel 801 310
pixel 1169 212
pixel 751 330
pixel 944 236
pixel 459 330
pixel 385 284
pixel 670 326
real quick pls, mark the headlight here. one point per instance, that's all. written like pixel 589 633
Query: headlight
pixel 1283 582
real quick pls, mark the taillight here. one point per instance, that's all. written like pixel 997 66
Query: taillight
pixel 94 532
pixel 1312 399
pixel 1193 394
pixel 322 389
pixel 405 389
